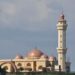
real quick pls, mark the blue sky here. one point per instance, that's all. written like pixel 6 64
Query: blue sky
pixel 26 24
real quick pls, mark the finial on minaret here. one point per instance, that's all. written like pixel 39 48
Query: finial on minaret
pixel 61 17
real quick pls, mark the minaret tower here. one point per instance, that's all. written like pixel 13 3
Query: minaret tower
pixel 61 27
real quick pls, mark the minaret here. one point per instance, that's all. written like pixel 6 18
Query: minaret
pixel 61 27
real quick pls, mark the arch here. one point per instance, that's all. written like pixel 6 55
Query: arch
pixel 12 64
pixel 20 69
pixel 5 67
pixel 28 64
pixel 19 64
pixel 40 67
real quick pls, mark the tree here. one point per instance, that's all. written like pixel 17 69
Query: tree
pixel 2 71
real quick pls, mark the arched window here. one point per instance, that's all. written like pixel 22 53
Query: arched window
pixel 21 68
pixel 40 67
pixel 19 64
pixel 28 64
pixel 5 67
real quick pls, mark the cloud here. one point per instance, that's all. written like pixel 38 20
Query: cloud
pixel 30 14
pixel 33 14
pixel 24 13
pixel 33 11
pixel 7 13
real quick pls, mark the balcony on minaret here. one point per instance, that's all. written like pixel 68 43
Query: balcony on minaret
pixel 62 23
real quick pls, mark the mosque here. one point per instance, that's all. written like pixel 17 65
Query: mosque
pixel 37 61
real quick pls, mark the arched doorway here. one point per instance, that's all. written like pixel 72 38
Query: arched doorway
pixel 12 65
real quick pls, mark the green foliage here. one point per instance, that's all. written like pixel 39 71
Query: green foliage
pixel 40 73
pixel 2 71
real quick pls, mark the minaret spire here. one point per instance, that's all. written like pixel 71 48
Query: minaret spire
pixel 61 27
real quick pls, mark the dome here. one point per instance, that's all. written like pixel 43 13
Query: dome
pixel 44 56
pixel 52 58
pixel 36 53
pixel 62 17
pixel 19 57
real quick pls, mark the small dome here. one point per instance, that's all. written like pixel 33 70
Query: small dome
pixel 44 56
pixel 19 57
pixel 62 17
pixel 52 58
pixel 36 53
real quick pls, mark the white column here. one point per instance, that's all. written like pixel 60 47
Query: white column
pixel 61 27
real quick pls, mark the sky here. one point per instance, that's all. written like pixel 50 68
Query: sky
pixel 26 24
